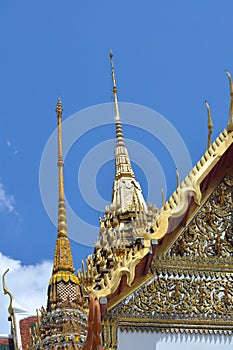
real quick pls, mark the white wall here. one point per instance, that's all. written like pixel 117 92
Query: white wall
pixel 161 341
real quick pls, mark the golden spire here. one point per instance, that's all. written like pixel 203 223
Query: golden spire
pixel 122 161
pixel 63 258
pixel 126 190
pixel 210 125
pixel 230 119
pixel 62 227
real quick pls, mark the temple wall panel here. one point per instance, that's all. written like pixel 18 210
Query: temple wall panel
pixel 166 341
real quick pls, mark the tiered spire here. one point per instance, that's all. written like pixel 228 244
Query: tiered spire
pixel 127 193
pixel 63 257
pixel 63 325
pixel 124 225
pixel 122 161
pixel 63 267
pixel 62 227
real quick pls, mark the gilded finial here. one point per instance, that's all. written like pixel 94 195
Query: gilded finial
pixel 114 86
pixel 177 178
pixel 59 108
pixel 210 125
pixel 230 118
pixel 163 199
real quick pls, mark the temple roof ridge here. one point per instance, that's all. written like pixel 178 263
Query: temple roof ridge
pixel 201 169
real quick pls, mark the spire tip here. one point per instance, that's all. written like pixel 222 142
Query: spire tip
pixel 59 108
pixel 207 104
pixel 110 54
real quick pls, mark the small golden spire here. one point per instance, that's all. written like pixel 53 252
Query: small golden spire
pixel 122 161
pixel 230 119
pixel 177 178
pixel 210 125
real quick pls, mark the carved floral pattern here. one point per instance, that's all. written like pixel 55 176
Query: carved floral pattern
pixel 210 232
pixel 177 296
pixel 192 284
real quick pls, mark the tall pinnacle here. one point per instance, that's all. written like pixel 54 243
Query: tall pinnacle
pixel 122 161
pixel 64 290
pixel 62 227
pixel 127 193
pixel 63 258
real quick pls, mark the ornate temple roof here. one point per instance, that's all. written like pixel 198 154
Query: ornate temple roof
pixel 167 270
pixel 118 248
pixel 183 283
pixel 186 244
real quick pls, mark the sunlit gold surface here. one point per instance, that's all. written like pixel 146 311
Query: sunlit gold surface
pixel 191 287
pixel 116 262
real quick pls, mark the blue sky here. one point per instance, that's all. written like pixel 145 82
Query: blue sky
pixel 170 56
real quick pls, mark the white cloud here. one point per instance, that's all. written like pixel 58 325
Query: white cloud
pixel 27 283
pixel 6 200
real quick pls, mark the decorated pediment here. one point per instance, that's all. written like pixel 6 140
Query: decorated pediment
pixel 210 233
pixel 190 288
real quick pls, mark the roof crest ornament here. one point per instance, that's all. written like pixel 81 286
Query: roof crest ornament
pixel 10 309
pixel 210 125
pixel 230 118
